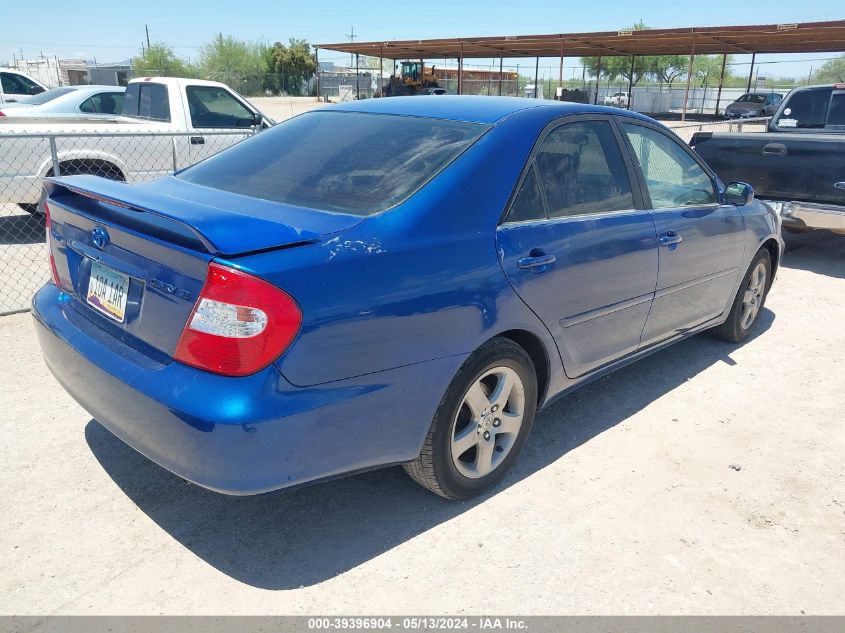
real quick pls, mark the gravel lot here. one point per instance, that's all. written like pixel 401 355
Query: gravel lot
pixel 624 502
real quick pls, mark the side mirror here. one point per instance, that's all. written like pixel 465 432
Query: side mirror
pixel 36 90
pixel 738 194
pixel 257 119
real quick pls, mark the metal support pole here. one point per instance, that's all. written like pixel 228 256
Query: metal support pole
pixel 721 80
pixel 317 62
pixel 536 75
pixel 751 73
pixel 598 78
pixel 689 79
pixel 54 153
pixel 461 71
pixel 501 58
pixel 631 83
pixel 357 79
pixel 381 70
pixel 560 72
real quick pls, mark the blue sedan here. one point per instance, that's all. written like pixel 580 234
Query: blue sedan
pixel 391 281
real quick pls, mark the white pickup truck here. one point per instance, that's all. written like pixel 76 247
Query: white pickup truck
pixel 167 123
pixel 617 100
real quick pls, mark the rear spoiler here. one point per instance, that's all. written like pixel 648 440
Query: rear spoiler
pixel 61 187
pixel 186 222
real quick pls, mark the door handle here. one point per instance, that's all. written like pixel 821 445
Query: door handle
pixel 537 261
pixel 670 239
pixel 774 149
pixel 197 140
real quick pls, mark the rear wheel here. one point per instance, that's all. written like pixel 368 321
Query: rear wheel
pixel 481 424
pixel 749 300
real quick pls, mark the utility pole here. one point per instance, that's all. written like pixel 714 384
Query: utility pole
pixel 351 37
pixel 147 29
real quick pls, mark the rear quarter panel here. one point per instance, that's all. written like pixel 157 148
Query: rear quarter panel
pixel 419 282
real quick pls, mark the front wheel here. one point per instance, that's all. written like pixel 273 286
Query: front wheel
pixel 749 300
pixel 481 423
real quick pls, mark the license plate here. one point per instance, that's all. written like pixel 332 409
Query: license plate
pixel 107 291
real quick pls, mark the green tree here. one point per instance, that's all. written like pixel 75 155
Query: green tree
pixel 160 60
pixel 239 64
pixel 833 71
pixel 668 68
pixel 226 54
pixel 292 65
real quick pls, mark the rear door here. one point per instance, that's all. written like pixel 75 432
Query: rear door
pixel 700 238
pixel 577 245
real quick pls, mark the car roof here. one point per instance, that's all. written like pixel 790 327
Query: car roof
pixel 475 109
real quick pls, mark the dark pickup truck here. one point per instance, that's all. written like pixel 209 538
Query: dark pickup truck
pixel 798 165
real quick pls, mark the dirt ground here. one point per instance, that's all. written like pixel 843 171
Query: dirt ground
pixel 624 501
pixel 281 108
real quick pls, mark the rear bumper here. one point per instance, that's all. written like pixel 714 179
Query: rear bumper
pixel 810 215
pixel 238 436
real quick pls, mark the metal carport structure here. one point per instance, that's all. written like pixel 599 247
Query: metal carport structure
pixel 806 37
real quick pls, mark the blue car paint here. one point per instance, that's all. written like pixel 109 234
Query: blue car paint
pixel 392 305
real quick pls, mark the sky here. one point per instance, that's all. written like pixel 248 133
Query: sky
pixel 115 31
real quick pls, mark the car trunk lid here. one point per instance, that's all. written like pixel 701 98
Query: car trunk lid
pixel 134 258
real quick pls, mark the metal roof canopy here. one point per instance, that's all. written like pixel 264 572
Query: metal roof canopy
pixel 806 37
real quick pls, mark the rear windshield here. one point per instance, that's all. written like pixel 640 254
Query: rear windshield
pixel 805 109
pixel 347 162
pixel 46 96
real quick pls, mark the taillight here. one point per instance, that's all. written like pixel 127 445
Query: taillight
pixel 239 325
pixel 49 240
pixel 1 113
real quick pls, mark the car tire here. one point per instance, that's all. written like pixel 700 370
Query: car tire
pixel 749 300
pixel 481 423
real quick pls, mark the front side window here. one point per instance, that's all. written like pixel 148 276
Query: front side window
pixel 213 107
pixel 673 177
pixel 581 170
pixel 349 162
pixel 17 84
pixel 805 109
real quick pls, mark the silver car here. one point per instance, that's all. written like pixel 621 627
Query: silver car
pixel 754 104
pixel 67 102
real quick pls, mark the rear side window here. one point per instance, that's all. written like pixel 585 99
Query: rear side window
pixel 836 112
pixel 147 101
pixel 805 109
pixel 103 103
pixel 349 162
pixel 528 204
pixel 582 170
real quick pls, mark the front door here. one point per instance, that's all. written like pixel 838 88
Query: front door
pixel 700 239
pixel 577 246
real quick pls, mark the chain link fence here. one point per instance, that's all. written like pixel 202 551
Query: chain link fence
pixel 26 158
